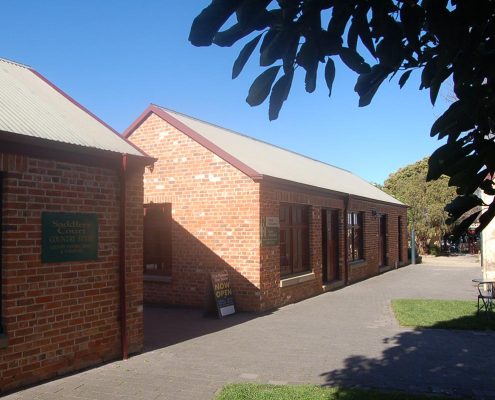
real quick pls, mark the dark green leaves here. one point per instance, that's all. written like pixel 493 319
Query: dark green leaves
pixel 368 84
pixel 207 24
pixel 275 45
pixel 462 204
pixel 244 55
pixel 354 61
pixel 463 211
pixel 260 89
pixel 458 118
pixel 412 17
pixel 253 14
pixel 440 38
pixel 280 93
pixel 442 161
pixel 228 37
pixel 404 77
pixel 329 75
pixel 463 223
pixel 308 59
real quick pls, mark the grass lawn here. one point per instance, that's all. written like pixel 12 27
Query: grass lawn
pixel 251 391
pixel 441 314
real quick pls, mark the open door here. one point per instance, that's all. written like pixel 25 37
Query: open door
pixel 157 240
pixel 399 240
pixel 382 241
pixel 330 245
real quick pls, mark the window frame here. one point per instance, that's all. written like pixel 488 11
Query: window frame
pixel 295 237
pixel 355 236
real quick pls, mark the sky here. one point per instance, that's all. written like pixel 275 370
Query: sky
pixel 117 57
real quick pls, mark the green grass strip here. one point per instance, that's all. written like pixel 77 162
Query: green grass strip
pixel 442 314
pixel 251 391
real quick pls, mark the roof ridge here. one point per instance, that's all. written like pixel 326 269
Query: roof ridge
pixel 18 64
pixel 255 139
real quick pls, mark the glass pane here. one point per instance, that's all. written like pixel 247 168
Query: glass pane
pixel 357 243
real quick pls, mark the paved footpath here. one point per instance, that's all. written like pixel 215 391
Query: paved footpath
pixel 348 337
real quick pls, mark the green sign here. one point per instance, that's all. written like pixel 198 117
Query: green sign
pixel 68 237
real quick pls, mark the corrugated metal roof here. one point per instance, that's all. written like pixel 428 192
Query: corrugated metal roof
pixel 280 163
pixel 32 106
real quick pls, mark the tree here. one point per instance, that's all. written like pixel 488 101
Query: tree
pixel 427 201
pixel 443 39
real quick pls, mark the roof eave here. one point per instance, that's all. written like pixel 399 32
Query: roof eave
pixel 302 186
pixel 194 135
pixel 13 142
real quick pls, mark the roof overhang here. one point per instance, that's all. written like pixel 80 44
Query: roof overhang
pixel 15 143
pixel 254 175
pixel 197 137
pixel 301 187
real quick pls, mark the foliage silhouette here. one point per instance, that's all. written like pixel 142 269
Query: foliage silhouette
pixel 443 39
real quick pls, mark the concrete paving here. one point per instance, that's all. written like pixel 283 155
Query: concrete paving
pixel 348 337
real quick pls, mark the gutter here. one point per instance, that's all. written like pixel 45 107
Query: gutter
pixel 122 259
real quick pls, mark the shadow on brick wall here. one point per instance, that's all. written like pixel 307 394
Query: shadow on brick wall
pixel 187 310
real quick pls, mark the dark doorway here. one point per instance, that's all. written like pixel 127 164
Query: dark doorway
pixel 330 245
pixel 399 239
pixel 157 240
pixel 382 241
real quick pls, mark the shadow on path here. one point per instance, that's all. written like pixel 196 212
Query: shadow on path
pixel 429 360
pixel 165 326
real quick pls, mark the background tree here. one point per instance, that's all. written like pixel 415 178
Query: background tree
pixel 427 201
pixel 443 39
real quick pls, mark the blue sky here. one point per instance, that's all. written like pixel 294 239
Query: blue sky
pixel 117 57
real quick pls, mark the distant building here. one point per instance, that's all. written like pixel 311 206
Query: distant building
pixel 71 199
pixel 284 226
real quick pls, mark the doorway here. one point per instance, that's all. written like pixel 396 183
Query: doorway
pixel 157 239
pixel 330 245
pixel 399 240
pixel 382 241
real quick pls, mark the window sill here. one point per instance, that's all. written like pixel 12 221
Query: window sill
pixel 358 263
pixel 157 278
pixel 4 341
pixel 294 280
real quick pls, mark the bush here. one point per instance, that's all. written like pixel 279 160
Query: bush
pixel 434 250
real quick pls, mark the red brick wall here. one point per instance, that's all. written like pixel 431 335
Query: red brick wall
pixel 64 316
pixel 362 270
pixel 272 295
pixel 215 212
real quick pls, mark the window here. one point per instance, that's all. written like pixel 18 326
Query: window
pixel 355 235
pixel 294 239
pixel 157 240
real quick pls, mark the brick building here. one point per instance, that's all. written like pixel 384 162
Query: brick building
pixel 71 203
pixel 284 226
